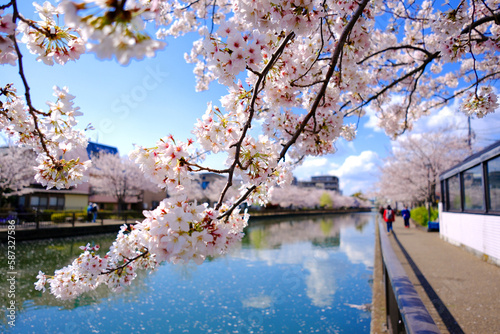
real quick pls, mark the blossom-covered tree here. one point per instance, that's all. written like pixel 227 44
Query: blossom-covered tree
pixel 411 171
pixel 206 187
pixel 16 171
pixel 298 67
pixel 290 196
pixel 117 176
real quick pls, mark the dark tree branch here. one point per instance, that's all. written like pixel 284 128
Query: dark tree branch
pixel 328 76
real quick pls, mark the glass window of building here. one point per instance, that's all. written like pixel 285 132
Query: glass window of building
pixel 53 201
pixel 473 188
pixel 494 184
pixel 35 200
pixel 453 188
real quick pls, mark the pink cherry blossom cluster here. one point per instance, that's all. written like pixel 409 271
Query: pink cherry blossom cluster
pixel 48 40
pixel 116 270
pixel 480 103
pixel 297 68
pixel 84 274
pixel 166 164
pixel 7 29
pixel 111 29
pixel 216 131
pixel 51 134
pixel 177 231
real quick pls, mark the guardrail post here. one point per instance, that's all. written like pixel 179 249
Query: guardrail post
pixel 37 219
pixel 73 220
pixel 393 315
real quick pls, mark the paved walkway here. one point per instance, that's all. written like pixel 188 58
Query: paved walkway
pixel 461 292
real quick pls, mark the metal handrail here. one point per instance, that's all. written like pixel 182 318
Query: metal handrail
pixel 406 313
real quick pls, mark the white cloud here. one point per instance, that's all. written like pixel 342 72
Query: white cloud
pixel 315 162
pixel 485 130
pixel 313 166
pixel 372 120
pixel 448 116
pixel 355 164
pixel 355 173
pixel 358 172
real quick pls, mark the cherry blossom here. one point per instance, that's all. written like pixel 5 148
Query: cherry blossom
pixel 296 71
pixel 117 176
pixel 177 231
pixel 50 41
pixel 415 163
pixel 16 170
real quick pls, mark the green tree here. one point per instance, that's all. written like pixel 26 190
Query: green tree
pixel 325 201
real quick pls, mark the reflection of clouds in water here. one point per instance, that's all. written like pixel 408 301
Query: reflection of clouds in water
pixel 310 244
pixel 351 243
pixel 321 285
pixel 287 254
pixel 261 302
pixel 319 275
pixel 358 253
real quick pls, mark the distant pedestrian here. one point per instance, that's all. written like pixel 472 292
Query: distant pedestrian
pixel 89 213
pixel 406 216
pixel 381 211
pixel 389 218
pixel 94 212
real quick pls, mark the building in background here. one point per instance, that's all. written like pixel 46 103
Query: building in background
pixel 469 211
pixel 327 182
pixel 78 197
pixel 145 200
pixel 39 198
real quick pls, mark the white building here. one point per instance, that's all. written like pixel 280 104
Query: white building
pixel 470 208
pixel 327 182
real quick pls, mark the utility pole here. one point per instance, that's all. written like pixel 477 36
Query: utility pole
pixel 469 138
pixel 428 192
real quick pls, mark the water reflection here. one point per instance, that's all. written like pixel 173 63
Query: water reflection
pixel 308 242
pixel 293 275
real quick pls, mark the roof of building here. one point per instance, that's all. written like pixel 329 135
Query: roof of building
pixel 93 148
pixel 487 153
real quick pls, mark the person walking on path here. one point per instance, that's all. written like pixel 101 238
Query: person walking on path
pixel 389 218
pixel 94 212
pixel 89 213
pixel 406 216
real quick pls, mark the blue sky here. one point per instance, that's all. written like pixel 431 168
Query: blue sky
pixel 146 100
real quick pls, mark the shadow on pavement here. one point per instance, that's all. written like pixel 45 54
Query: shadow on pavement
pixel 445 314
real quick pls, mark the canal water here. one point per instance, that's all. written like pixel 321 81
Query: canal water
pixel 295 275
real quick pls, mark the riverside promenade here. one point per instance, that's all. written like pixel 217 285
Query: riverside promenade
pixel 460 290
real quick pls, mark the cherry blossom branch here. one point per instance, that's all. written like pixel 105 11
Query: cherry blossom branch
pixel 27 95
pixel 316 102
pixel 481 21
pixel 7 5
pixel 416 70
pixel 395 48
pixel 293 83
pixel 329 74
pixel 129 261
pixel 251 110
pixel 408 105
pixel 471 51
pixel 445 100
